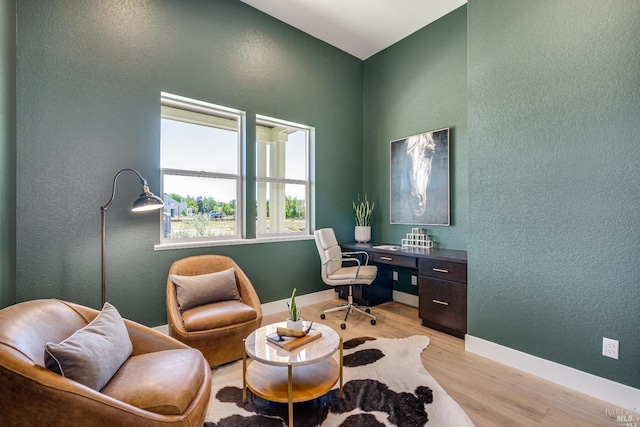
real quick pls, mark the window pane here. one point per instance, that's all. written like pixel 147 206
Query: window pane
pixel 282 162
pixel 197 147
pixel 200 155
pixel 296 156
pixel 282 152
pixel 281 208
pixel 199 207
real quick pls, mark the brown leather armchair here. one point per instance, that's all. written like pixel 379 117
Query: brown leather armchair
pixel 171 387
pixel 216 329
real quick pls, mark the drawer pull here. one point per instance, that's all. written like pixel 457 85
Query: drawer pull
pixel 437 301
pixel 386 258
pixel 440 270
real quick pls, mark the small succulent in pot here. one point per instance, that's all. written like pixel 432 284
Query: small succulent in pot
pixel 294 321
pixel 294 311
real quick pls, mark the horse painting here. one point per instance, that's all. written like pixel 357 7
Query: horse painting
pixel 420 179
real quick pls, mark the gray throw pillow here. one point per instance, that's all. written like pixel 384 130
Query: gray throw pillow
pixel 93 354
pixel 194 291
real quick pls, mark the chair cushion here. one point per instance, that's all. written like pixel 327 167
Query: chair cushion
pixel 164 382
pixel 217 315
pixel 333 253
pixel 366 274
pixel 94 353
pixel 194 291
pixel 327 238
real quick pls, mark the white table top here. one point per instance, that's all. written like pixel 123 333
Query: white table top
pixel 258 348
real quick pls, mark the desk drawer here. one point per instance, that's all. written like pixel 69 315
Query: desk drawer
pixel 391 259
pixel 443 270
pixel 443 303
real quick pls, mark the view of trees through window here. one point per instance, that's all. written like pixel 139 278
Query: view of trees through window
pixel 200 168
pixel 204 205
pixel 206 217
pixel 203 217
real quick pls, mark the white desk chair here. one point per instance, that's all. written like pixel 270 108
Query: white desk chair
pixel 335 274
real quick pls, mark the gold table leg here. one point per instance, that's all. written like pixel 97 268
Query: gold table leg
pixel 290 368
pixel 244 375
pixel 341 395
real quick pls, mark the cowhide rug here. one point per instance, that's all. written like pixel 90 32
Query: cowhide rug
pixel 385 384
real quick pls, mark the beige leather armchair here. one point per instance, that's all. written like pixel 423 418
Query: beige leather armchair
pixel 163 383
pixel 216 329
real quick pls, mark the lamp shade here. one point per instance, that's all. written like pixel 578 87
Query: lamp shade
pixel 147 202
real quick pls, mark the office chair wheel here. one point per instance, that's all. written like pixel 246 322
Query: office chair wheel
pixel 373 321
pixel 343 326
pixel 368 310
pixel 322 316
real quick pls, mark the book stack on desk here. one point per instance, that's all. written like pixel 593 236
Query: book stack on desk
pixel 291 343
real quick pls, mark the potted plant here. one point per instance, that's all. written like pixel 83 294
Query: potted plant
pixel 363 210
pixel 294 321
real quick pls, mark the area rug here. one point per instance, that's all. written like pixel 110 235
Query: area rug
pixel 385 384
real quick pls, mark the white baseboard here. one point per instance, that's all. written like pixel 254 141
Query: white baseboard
pixel 405 298
pixel 302 300
pixel 615 393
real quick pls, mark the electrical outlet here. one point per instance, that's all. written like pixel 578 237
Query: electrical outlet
pixel 395 276
pixel 610 348
pixel 414 280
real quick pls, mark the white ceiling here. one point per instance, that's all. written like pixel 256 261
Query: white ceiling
pixel 359 27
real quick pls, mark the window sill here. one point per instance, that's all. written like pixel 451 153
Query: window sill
pixel 212 243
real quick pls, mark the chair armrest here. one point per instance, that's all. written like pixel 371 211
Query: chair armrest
pixel 247 291
pixel 346 260
pixel 366 255
pixel 147 340
pixel 342 260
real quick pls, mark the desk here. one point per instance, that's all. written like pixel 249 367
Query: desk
pixel 442 282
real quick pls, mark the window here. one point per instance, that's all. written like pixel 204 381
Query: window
pixel 203 185
pixel 282 178
pixel 200 168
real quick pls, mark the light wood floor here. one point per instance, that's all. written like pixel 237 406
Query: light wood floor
pixel 492 394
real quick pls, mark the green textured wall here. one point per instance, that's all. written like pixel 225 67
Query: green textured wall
pixel 417 85
pixel 7 152
pixel 543 100
pixel 89 81
pixel 554 242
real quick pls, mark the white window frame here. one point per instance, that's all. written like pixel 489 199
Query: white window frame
pixel 272 131
pixel 203 113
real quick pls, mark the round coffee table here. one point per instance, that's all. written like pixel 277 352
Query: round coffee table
pixel 273 377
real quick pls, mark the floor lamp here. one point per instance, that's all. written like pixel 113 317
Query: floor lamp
pixel 146 202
